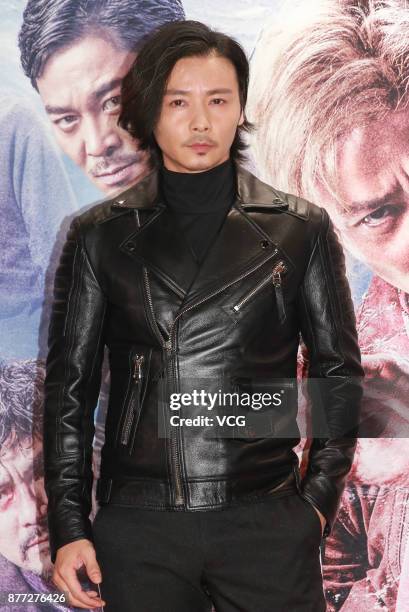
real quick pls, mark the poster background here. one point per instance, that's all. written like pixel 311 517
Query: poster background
pixel 48 189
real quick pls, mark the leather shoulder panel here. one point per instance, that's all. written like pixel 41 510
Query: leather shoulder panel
pixel 298 206
pixel 302 208
pixel 99 213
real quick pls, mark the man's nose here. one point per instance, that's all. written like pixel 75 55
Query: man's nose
pixel 27 503
pixel 42 501
pixel 200 120
pixel 100 139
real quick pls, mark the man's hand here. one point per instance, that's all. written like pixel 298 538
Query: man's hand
pixel 70 558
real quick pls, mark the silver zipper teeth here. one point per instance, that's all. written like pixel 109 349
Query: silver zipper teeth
pixel 179 497
pixel 152 317
pixel 137 376
pixel 256 289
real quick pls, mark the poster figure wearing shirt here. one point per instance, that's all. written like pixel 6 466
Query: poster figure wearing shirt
pixel 36 201
pixel 329 95
pixel 25 565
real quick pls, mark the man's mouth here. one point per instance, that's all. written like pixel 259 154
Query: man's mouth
pixel 122 173
pixel 201 146
pixel 38 541
pixel 115 169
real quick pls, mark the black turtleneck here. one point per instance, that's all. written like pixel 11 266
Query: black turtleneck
pixel 200 202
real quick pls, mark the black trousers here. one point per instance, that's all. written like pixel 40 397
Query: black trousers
pixel 256 557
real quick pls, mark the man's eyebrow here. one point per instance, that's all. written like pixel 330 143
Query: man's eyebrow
pixel 357 207
pixel 95 95
pixel 58 110
pixel 209 92
pixel 105 88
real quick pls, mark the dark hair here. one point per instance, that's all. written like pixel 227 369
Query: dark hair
pixel 21 401
pixel 144 85
pixel 51 25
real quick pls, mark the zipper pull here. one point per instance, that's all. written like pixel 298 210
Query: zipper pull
pixel 279 268
pixel 137 372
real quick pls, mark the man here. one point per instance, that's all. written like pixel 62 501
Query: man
pixel 25 565
pixel 341 138
pixel 76 53
pixel 199 280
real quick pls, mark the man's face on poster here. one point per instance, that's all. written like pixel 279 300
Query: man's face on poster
pixel 80 89
pixel 23 507
pixel 373 167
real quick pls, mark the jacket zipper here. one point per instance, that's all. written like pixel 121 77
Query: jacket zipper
pixel 134 400
pixel 151 315
pixel 175 455
pixel 275 275
pixel 169 346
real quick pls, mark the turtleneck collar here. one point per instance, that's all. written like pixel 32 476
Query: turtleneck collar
pixel 199 192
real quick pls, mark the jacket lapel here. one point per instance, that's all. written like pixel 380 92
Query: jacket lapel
pixel 157 243
pixel 239 246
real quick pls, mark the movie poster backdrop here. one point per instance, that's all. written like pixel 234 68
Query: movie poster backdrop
pixel 328 96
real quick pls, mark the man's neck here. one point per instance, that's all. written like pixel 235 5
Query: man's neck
pixel 199 192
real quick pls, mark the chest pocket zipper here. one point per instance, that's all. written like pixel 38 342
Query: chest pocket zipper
pixel 275 277
pixel 134 404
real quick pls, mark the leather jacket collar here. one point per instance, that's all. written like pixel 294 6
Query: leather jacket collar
pixel 240 246
pixel 250 192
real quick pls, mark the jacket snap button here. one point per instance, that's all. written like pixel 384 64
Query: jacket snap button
pixel 131 246
pixel 265 244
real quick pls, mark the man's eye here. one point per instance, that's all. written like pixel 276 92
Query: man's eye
pixel 176 102
pixel 6 493
pixel 218 100
pixel 112 104
pixel 380 215
pixel 66 122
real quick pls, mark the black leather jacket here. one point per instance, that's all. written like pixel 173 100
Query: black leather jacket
pixel 126 280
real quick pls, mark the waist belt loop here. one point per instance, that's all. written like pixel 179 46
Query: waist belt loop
pixel 103 490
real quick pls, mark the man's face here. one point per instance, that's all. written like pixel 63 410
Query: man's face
pixel 373 167
pixel 80 89
pixel 23 507
pixel 200 105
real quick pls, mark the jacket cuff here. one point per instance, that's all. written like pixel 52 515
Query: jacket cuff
pixel 319 492
pixel 61 533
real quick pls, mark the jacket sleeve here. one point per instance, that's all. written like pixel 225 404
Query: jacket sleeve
pixel 72 382
pixel 328 328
